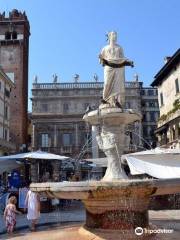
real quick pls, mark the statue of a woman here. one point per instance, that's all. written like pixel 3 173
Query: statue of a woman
pixel 112 58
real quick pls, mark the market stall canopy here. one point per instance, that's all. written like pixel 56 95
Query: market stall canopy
pixel 8 165
pixel 158 162
pixel 34 155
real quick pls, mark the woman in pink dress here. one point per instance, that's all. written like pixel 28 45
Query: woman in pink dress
pixel 10 214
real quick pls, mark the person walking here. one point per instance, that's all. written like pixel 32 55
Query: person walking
pixel 10 214
pixel 33 208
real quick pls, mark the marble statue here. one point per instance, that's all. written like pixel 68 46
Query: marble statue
pixel 113 60
pixel 35 79
pixel 55 78
pixel 95 77
pixel 76 78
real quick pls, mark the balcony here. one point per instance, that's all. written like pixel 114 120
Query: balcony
pixel 169 118
pixel 68 85
pixel 66 149
pixel 73 151
pixel 80 85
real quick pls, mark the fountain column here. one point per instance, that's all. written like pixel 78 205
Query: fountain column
pixel 111 141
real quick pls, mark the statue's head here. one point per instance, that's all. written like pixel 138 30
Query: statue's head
pixel 112 36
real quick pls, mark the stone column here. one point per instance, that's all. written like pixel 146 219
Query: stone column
pixel 34 171
pixel 176 130
pixel 56 170
pixel 140 133
pixel 55 135
pixel 95 152
pixel 76 135
pixel 111 141
pixel 33 136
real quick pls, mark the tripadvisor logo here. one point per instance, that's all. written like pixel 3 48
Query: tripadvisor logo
pixel 139 231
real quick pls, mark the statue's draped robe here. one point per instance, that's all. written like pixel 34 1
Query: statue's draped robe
pixel 114 78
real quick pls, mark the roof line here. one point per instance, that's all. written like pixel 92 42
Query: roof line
pixel 165 69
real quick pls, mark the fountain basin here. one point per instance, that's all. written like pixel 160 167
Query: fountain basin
pixel 117 205
pixel 110 115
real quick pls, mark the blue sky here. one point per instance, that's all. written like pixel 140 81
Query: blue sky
pixel 67 35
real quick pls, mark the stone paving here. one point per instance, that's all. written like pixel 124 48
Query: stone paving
pixel 61 219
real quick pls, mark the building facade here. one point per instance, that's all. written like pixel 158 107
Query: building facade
pixel 14 48
pixel 167 80
pixel 58 108
pixel 150 113
pixel 5 90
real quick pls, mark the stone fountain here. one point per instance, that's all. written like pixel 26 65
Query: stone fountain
pixel 116 205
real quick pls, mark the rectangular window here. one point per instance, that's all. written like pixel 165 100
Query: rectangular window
pixel 65 107
pixel 161 99
pixel 151 104
pixel 156 104
pixel 143 92
pixel 144 118
pixel 44 107
pixel 150 92
pixel 143 103
pixel 7 93
pixel 6 112
pixel 177 85
pixel 152 116
pixel 145 132
pixel 44 140
pixel 5 134
pixel 66 139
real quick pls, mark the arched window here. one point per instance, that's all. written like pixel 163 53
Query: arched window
pixel 7 35
pixel 14 35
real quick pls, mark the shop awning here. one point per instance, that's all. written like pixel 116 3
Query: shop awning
pixel 158 163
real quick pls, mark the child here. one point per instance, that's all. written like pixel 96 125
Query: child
pixel 10 214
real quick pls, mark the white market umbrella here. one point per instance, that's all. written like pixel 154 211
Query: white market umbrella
pixel 158 162
pixel 8 163
pixel 34 155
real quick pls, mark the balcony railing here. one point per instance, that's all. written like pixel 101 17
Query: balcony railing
pixel 81 85
pixel 68 85
pixel 65 150
pixel 169 118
